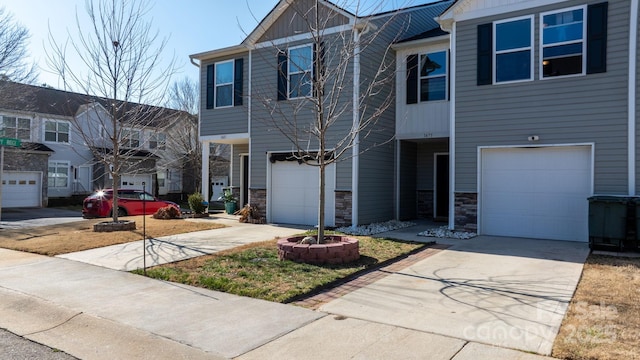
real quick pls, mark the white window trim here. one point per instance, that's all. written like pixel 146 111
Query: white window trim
pixel 495 53
pixel 155 137
pixel 446 76
pixel 584 42
pixel 124 137
pixel 19 117
pixel 216 84
pixel 289 73
pixel 44 131
pixel 69 174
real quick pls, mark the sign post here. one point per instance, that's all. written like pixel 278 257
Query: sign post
pixel 5 142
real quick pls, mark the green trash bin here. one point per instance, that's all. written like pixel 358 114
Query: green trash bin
pixel 607 222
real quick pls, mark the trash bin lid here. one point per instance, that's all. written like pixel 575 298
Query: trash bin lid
pixel 610 199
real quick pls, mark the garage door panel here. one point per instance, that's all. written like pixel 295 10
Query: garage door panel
pixel 294 192
pixel 21 189
pixel 536 192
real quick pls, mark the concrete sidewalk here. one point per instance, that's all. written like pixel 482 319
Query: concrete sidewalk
pixel 96 313
pixel 167 249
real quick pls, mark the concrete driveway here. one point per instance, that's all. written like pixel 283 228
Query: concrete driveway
pixel 507 292
pixel 17 218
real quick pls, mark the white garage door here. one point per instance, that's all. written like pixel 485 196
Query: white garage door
pixel 536 192
pixel 135 182
pixel 295 193
pixel 21 189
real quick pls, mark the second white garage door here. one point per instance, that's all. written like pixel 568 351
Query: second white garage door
pixel 294 193
pixel 536 192
pixel 21 189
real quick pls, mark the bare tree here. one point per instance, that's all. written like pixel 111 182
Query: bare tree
pixel 186 151
pixel 326 117
pixel 13 51
pixel 123 62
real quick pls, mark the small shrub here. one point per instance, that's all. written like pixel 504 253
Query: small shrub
pixel 167 212
pixel 196 203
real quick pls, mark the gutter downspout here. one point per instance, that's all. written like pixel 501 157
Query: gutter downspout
pixel 249 114
pixel 204 172
pixel 633 53
pixel 355 164
pixel 449 26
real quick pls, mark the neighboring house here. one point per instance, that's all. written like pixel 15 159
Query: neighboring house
pixel 544 109
pixel 240 84
pixel 55 161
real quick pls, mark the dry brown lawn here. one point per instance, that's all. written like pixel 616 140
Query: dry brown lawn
pixel 78 236
pixel 603 321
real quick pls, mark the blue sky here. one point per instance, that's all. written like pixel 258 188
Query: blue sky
pixel 192 26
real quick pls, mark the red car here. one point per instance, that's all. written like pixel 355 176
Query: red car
pixel 130 202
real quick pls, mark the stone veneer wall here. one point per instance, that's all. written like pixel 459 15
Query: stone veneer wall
pixel 258 198
pixel 343 208
pixel 466 211
pixel 425 204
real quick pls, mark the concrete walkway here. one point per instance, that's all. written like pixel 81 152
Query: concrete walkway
pixel 95 312
pixel 168 249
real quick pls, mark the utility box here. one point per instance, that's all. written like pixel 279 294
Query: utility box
pixel 218 183
pixel 608 222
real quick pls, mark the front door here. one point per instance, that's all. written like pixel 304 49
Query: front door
pixel 441 191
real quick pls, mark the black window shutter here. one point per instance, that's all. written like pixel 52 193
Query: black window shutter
pixel 237 82
pixel 412 79
pixel 210 82
pixel 485 54
pixel 597 38
pixel 282 76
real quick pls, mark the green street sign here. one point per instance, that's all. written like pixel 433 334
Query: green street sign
pixel 10 142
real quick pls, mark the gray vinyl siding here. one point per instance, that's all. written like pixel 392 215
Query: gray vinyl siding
pixel 235 162
pixel 638 110
pixel 292 22
pixel 581 109
pixel 231 120
pixel 265 135
pixel 376 173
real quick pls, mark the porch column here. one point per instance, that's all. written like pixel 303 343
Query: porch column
pixel 206 183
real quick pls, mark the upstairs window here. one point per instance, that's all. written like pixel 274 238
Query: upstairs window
pixel 58 176
pixel 224 84
pixel 158 141
pixel 563 42
pixel 300 71
pixel 130 138
pixel 433 76
pixel 572 41
pixel 56 131
pixel 15 127
pixel 513 49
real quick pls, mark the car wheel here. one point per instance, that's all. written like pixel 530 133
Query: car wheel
pixel 122 212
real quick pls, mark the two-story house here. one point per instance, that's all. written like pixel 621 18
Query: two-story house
pixel 247 89
pixel 64 137
pixel 544 109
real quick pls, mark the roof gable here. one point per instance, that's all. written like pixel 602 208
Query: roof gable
pixel 287 14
